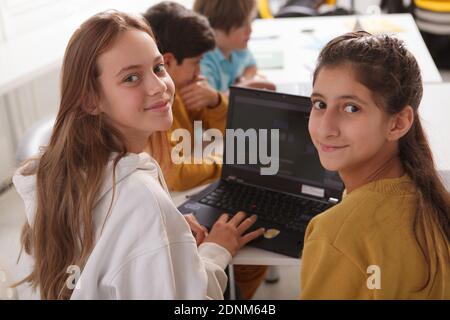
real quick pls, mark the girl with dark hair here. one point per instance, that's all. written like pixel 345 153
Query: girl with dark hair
pixel 389 237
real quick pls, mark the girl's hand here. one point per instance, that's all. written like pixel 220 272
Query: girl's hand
pixel 199 232
pixel 229 233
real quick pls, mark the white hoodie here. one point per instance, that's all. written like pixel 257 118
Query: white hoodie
pixel 146 249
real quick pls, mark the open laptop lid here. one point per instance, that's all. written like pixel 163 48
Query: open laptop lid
pixel 299 169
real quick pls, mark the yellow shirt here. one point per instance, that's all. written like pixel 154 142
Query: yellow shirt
pixel 372 226
pixel 433 5
pixel 186 176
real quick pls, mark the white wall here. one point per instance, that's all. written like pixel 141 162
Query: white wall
pixel 23 106
pixel 23 16
pixel 2 24
pixel 20 109
pixel 6 147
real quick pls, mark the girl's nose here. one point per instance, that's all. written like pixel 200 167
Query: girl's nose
pixel 329 124
pixel 155 85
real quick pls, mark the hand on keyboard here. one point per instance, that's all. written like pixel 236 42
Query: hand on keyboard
pixel 229 233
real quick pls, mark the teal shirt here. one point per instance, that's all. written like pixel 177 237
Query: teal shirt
pixel 220 72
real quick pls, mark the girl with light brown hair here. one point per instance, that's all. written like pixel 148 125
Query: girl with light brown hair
pixel 101 224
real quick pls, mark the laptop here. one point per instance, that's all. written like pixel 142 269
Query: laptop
pixel 286 200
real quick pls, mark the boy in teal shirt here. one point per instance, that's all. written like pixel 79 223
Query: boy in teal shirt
pixel 230 62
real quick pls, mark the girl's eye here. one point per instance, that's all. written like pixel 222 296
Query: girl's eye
pixel 318 105
pixel 159 68
pixel 131 78
pixel 351 109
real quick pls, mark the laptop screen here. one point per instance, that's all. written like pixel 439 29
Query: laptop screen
pixel 297 165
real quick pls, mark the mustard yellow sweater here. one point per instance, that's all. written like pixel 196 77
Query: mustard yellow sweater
pixel 186 176
pixel 371 228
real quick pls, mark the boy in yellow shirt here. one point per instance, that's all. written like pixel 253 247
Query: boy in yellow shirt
pixel 183 37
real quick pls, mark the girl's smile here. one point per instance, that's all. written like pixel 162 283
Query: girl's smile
pixel 331 148
pixel 160 106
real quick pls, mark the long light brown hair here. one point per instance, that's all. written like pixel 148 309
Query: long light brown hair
pixel 71 170
pixel 384 65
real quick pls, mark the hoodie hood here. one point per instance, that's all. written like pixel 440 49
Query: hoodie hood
pixel 26 184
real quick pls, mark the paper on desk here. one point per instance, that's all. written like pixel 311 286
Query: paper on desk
pixel 375 25
pixel 266 60
pixel 317 39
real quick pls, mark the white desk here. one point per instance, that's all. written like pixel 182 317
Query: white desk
pixel 435 117
pixel 285 40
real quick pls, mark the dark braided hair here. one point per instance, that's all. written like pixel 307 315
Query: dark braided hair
pixel 383 64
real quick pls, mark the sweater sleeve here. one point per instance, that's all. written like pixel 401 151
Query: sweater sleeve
pixel 186 176
pixel 215 118
pixel 327 273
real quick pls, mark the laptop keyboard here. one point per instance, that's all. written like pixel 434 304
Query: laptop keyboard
pixel 292 212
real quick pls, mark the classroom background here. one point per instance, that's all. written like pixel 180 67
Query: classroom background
pixel 34 33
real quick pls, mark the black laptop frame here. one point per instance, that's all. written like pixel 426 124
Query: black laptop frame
pixel 272 182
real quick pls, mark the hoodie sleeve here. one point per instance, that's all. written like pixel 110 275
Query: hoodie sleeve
pixel 213 118
pixel 184 176
pixel 25 185
pixel 215 259
pixel 182 273
pixel 174 269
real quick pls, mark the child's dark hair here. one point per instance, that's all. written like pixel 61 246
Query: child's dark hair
pixel 225 14
pixel 384 65
pixel 180 31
